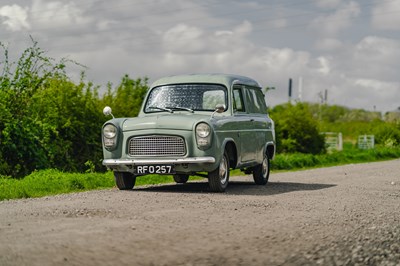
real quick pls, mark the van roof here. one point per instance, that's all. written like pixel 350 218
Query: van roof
pixel 225 79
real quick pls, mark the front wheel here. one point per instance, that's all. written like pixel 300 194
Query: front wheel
pixel 181 179
pixel 261 172
pixel 219 178
pixel 124 180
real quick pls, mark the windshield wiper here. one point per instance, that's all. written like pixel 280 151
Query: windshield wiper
pixel 181 108
pixel 161 108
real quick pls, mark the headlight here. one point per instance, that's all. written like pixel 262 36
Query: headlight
pixel 110 136
pixel 203 136
pixel 110 131
pixel 203 130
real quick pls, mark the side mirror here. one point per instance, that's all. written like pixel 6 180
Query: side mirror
pixel 107 111
pixel 220 108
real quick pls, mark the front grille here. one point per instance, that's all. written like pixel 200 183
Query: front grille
pixel 156 146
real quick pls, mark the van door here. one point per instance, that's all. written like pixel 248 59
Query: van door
pixel 246 130
pixel 261 122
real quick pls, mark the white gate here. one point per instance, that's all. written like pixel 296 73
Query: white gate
pixel 366 142
pixel 333 141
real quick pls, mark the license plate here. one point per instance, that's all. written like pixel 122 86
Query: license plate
pixel 154 169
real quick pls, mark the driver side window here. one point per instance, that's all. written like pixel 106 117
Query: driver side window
pixel 212 98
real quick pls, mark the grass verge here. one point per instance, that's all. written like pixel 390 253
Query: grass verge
pixel 52 182
pixel 349 155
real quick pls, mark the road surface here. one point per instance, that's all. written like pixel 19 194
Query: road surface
pixel 345 215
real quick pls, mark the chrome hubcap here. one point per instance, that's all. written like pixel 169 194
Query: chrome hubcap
pixel 223 170
pixel 265 167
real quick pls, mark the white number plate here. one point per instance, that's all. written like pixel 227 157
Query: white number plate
pixel 154 169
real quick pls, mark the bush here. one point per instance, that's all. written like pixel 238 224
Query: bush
pixel 353 155
pixel 128 97
pixel 48 121
pixel 388 134
pixel 296 130
pixel 20 134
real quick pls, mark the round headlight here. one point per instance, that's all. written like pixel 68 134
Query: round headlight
pixel 109 131
pixel 203 130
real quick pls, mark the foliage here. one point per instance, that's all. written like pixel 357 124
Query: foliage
pixel 337 114
pixel 69 116
pixel 354 122
pixel 351 155
pixel 51 182
pixel 387 134
pixel 128 98
pixel 21 147
pixel 296 130
pixel 48 121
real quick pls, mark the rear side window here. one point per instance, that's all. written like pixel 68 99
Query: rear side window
pixel 238 105
pixel 256 101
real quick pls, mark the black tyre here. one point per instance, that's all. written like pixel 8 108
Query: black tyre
pixel 124 180
pixel 261 172
pixel 219 178
pixel 181 179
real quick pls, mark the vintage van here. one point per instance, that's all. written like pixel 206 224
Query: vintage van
pixel 201 125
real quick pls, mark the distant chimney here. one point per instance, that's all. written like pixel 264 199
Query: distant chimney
pixel 300 88
pixel 290 89
pixel 326 96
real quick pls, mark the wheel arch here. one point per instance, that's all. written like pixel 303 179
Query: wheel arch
pixel 270 150
pixel 230 147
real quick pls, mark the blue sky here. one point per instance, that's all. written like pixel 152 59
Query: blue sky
pixel 349 48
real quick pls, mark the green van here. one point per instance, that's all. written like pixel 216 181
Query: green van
pixel 200 125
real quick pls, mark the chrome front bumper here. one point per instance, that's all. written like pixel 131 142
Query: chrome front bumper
pixel 123 162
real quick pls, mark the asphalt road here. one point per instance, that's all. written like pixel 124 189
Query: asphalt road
pixel 346 215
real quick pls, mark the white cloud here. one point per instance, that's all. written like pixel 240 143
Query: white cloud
pixel 244 28
pixel 15 17
pixel 328 3
pixel 285 60
pixel 376 57
pixel 382 92
pixel 378 85
pixel 159 37
pixel 385 15
pixel 183 39
pixel 328 44
pixel 377 48
pixel 279 23
pixel 52 14
pixel 105 24
pixel 341 19
pixel 223 32
pixel 324 65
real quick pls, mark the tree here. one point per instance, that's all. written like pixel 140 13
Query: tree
pixel 387 134
pixel 296 130
pixel 20 149
pixel 70 120
pixel 128 98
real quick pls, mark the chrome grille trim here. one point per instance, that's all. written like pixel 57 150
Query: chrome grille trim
pixel 156 145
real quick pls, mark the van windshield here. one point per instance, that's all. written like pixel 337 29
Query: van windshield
pixel 186 97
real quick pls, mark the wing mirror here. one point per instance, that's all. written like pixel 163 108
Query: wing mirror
pixel 107 111
pixel 219 108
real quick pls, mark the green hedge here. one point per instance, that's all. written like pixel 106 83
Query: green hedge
pixel 298 160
